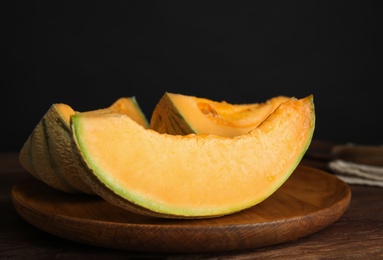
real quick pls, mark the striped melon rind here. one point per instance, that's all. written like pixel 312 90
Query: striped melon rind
pixel 39 153
pixel 49 154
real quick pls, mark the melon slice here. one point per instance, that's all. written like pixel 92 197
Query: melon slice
pixel 195 175
pixel 48 153
pixel 182 114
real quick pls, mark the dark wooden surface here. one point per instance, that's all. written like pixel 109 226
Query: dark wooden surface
pixel 309 201
pixel 357 234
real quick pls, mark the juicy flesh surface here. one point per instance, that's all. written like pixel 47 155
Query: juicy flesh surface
pixel 238 115
pixel 195 174
pixel 222 118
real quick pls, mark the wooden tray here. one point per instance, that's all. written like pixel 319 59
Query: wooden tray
pixel 310 200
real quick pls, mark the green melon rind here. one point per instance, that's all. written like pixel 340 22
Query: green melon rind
pixel 60 144
pixel 39 161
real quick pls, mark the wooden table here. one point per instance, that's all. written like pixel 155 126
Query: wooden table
pixel 358 234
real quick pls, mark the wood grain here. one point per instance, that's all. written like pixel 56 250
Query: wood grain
pixel 308 202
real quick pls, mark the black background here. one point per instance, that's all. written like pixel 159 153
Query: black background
pixel 88 54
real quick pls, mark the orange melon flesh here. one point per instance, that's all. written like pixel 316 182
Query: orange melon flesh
pixel 177 113
pixel 123 105
pixel 131 107
pixel 193 175
pixel 65 111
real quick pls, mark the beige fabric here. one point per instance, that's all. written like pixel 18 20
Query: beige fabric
pixel 355 173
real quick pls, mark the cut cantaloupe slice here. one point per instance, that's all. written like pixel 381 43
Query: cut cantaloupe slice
pixel 48 153
pixel 195 175
pixel 182 114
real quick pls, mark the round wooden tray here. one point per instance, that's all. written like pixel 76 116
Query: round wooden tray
pixel 310 200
